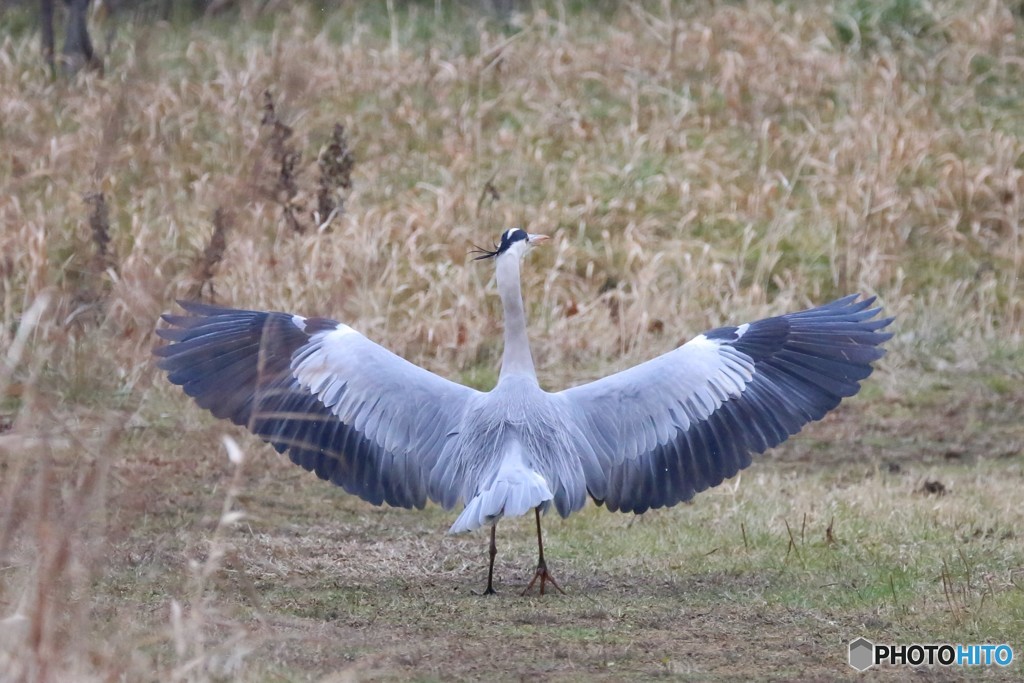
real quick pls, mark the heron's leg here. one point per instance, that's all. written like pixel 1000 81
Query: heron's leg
pixel 542 568
pixel 494 551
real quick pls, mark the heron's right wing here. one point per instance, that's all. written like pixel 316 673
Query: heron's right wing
pixel 340 405
pixel 685 421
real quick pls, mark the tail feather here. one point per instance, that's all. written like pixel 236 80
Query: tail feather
pixel 514 491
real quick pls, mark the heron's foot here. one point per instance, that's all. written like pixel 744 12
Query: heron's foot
pixel 545 578
pixel 488 591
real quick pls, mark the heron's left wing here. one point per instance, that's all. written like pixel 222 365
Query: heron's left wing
pixel 688 419
pixel 340 405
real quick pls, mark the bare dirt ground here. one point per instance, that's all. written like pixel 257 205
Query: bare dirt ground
pixel 314 583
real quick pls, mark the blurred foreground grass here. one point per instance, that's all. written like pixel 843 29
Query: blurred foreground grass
pixel 696 165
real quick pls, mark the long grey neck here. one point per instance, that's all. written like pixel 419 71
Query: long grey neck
pixel 516 359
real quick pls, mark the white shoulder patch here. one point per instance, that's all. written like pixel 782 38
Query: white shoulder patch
pixel 341 330
pixel 703 341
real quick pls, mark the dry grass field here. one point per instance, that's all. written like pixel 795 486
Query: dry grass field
pixel 696 164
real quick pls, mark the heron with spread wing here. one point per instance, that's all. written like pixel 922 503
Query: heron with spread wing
pixel 391 432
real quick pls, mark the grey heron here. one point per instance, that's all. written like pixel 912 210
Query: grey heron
pixel 391 432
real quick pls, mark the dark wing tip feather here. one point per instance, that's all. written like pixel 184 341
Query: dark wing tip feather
pixel 221 357
pixel 198 308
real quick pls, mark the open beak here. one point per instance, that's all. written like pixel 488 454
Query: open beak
pixel 538 239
